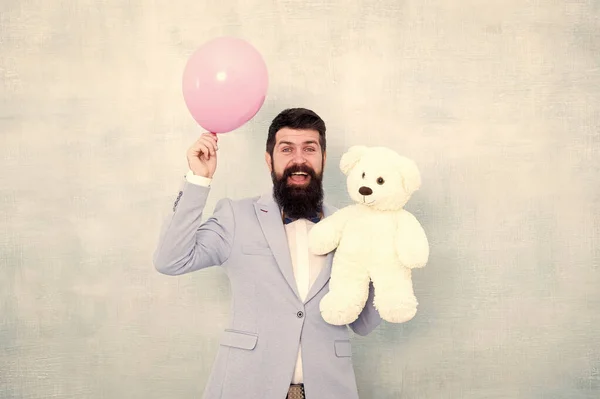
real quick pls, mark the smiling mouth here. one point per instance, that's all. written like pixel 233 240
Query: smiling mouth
pixel 366 202
pixel 299 178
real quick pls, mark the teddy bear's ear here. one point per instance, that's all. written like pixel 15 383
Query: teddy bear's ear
pixel 411 177
pixel 351 157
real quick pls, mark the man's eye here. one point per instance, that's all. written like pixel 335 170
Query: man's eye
pixel 287 149
pixel 310 149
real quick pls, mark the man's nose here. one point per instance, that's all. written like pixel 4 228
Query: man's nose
pixel 299 158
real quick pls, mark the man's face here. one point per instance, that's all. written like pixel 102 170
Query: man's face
pixel 297 169
pixel 296 148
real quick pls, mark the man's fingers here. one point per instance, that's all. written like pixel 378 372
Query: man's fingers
pixel 211 136
pixel 204 150
pixel 206 144
pixel 213 139
pixel 209 143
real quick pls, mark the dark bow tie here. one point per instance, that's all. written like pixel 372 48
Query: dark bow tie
pixel 314 219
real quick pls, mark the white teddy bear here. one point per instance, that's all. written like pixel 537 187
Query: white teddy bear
pixel 376 239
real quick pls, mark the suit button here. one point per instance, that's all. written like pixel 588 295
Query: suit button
pixel 300 314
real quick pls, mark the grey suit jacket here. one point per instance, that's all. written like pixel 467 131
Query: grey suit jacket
pixel 258 350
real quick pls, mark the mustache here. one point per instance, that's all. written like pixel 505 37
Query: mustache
pixel 299 168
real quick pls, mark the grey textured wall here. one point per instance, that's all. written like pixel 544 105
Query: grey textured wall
pixel 497 101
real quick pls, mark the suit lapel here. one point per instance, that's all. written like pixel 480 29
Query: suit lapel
pixel 269 217
pixel 325 274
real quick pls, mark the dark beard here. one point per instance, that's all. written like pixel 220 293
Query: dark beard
pixel 298 202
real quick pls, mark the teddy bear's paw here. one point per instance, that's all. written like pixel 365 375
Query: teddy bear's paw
pixel 398 315
pixel 318 247
pixel 321 241
pixel 398 312
pixel 337 318
pixel 413 260
pixel 334 313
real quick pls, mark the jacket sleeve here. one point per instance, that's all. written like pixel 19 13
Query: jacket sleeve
pixel 186 244
pixel 369 318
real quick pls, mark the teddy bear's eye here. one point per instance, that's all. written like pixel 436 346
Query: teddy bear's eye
pixel 380 180
pixel 363 176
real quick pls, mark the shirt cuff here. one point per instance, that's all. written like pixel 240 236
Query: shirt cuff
pixel 198 180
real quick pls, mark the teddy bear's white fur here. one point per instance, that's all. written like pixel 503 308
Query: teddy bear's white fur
pixel 376 239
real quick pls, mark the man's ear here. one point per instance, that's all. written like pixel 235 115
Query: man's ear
pixel 269 162
pixel 350 158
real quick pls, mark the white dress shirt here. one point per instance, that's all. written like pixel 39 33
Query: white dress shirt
pixel 306 265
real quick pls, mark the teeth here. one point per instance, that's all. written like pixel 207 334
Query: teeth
pixel 300 173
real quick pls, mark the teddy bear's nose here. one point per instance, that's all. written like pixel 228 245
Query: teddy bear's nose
pixel 365 190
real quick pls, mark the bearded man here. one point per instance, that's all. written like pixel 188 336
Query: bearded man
pixel 276 345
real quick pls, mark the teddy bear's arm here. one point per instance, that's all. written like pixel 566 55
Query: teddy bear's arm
pixel 325 236
pixel 412 246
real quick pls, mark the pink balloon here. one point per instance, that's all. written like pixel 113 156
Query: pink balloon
pixel 225 84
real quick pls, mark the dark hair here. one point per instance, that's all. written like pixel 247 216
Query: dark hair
pixel 296 118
